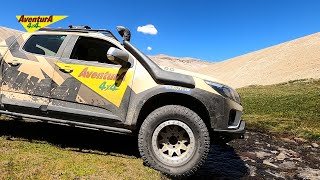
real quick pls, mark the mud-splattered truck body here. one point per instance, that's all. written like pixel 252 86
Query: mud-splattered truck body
pixel 87 78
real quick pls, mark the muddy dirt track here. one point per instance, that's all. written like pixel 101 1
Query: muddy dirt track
pixel 262 156
pixel 258 156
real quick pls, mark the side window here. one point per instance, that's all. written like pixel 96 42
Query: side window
pixel 44 44
pixel 91 49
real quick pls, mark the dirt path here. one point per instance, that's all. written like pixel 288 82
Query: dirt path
pixel 261 156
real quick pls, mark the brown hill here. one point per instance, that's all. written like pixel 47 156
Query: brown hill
pixel 185 63
pixel 296 59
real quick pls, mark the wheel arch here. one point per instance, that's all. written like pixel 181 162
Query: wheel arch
pixel 173 98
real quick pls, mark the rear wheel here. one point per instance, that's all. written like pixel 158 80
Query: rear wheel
pixel 174 140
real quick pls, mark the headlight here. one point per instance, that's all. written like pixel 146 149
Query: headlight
pixel 225 91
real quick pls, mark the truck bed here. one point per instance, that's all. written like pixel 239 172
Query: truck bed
pixel 7 36
pixel 7 32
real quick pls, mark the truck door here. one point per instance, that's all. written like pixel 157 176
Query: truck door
pixel 27 72
pixel 94 90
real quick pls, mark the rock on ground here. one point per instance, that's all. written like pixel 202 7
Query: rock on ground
pixel 262 156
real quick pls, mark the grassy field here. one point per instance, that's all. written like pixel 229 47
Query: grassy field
pixel 44 151
pixel 291 108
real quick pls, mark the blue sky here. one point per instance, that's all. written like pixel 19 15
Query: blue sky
pixel 211 30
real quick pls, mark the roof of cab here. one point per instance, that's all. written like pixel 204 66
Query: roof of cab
pixel 81 29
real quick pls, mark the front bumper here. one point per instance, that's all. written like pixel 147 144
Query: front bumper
pixel 224 113
pixel 232 133
pixel 230 126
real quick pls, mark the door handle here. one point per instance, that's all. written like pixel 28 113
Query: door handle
pixel 14 63
pixel 66 69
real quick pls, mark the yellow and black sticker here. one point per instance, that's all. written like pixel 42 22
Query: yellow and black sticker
pixel 110 83
pixel 34 23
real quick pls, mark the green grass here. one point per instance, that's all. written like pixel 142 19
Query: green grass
pixel 289 108
pixel 38 156
pixel 20 159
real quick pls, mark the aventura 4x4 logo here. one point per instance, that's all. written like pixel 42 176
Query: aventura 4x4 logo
pixel 34 23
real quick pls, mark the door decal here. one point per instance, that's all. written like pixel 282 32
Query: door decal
pixel 110 83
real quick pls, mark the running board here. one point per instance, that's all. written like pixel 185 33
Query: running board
pixel 70 123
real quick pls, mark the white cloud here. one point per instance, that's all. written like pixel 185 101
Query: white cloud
pixel 148 29
pixel 149 48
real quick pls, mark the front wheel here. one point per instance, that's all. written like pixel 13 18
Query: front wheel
pixel 174 140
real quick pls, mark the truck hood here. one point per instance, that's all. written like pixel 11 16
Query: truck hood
pixel 197 75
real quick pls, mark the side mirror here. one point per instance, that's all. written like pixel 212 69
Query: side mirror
pixel 118 56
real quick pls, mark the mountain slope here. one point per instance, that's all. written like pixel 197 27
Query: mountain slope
pixel 296 59
pixel 185 63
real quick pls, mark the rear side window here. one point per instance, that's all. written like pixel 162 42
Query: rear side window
pixel 44 44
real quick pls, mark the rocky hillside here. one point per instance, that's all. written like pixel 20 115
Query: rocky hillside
pixel 296 59
pixel 185 63
pixel 292 60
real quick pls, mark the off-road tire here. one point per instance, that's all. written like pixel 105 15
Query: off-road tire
pixel 187 117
